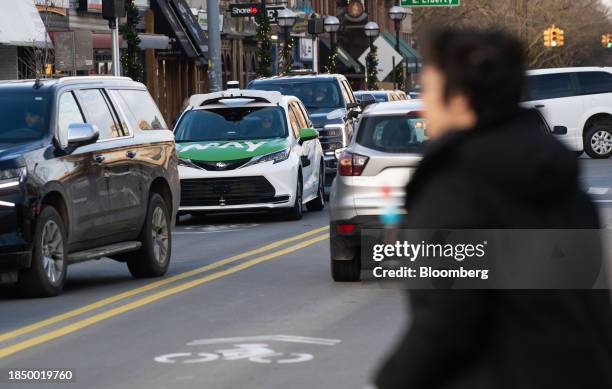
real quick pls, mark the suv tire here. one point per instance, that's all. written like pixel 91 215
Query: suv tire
pixel 349 268
pixel 318 203
pixel 47 273
pixel 297 211
pixel 153 258
pixel 598 140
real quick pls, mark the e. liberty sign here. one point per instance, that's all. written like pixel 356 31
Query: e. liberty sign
pixel 430 3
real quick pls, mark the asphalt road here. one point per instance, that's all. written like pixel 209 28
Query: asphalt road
pixel 248 303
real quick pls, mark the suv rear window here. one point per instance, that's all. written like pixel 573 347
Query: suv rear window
pixel 595 82
pixel 550 86
pixel 393 134
pixel 141 109
pixel 25 116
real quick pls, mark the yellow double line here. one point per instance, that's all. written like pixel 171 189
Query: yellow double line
pixel 53 334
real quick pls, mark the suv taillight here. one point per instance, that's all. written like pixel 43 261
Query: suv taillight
pixel 350 164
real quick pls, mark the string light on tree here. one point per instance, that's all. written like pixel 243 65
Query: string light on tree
pixel 264 45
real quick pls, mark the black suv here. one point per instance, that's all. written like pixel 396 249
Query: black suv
pixel 331 105
pixel 88 169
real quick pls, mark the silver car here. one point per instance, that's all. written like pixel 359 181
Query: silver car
pixel 372 174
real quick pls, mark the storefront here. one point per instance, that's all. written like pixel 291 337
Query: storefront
pixel 179 71
pixel 23 32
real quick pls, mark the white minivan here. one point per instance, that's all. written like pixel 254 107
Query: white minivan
pixel 577 103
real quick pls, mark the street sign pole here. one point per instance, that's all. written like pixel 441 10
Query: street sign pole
pixel 115 47
pixel 214 46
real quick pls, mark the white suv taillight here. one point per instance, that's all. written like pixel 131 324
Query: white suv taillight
pixel 351 164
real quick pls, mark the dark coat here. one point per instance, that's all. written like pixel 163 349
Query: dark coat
pixel 504 174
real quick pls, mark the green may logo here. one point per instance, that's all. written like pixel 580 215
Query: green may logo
pixel 250 146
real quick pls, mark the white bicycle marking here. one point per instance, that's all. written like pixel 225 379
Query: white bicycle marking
pixel 277 338
pixel 243 349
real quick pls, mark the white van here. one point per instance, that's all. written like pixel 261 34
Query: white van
pixel 577 103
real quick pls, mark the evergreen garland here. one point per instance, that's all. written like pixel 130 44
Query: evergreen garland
pixel 130 58
pixel 264 45
pixel 332 65
pixel 399 76
pixel 372 66
pixel 287 58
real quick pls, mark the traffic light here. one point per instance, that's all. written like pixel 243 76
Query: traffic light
pixel 554 37
pixel 560 37
pixel 112 9
pixel 547 37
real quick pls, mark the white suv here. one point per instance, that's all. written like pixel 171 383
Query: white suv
pixel 577 103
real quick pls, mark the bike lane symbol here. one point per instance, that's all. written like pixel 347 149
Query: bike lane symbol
pixel 252 352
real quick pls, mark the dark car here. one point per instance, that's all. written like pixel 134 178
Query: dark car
pixel 381 96
pixel 331 105
pixel 88 169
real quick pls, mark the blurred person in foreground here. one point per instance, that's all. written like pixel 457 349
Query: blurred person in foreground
pixel 489 167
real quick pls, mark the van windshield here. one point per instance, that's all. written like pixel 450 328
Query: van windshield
pixel 25 116
pixel 393 134
pixel 235 123
pixel 314 94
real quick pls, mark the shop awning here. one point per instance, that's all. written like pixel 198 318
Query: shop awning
pixel 147 41
pixel 21 25
pixel 344 56
pixel 188 32
pixel 407 51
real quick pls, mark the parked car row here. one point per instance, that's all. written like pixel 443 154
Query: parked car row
pixel 89 168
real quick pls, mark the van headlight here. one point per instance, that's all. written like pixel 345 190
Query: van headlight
pixel 12 177
pixel 276 157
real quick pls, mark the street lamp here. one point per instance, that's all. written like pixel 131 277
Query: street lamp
pixel 286 19
pixel 332 25
pixel 397 14
pixel 371 30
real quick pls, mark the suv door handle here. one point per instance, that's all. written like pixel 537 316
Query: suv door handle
pixel 540 106
pixel 131 154
pixel 99 158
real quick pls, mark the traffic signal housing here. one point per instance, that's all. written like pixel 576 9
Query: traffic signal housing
pixel 547 38
pixel 554 37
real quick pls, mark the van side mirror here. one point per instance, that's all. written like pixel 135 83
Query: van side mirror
pixel 307 134
pixel 80 134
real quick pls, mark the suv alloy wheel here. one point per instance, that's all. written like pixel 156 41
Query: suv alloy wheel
pixel 47 273
pixel 598 140
pixel 153 258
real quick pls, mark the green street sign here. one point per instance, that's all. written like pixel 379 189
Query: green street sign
pixel 430 3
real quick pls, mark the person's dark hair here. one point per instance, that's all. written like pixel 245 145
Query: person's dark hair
pixel 487 66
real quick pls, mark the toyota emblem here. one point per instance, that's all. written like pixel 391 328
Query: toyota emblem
pixel 221 165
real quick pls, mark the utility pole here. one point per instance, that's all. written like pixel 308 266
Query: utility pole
pixel 214 46
pixel 112 10
pixel 114 26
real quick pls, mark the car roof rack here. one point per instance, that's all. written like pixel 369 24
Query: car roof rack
pixel 255 95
